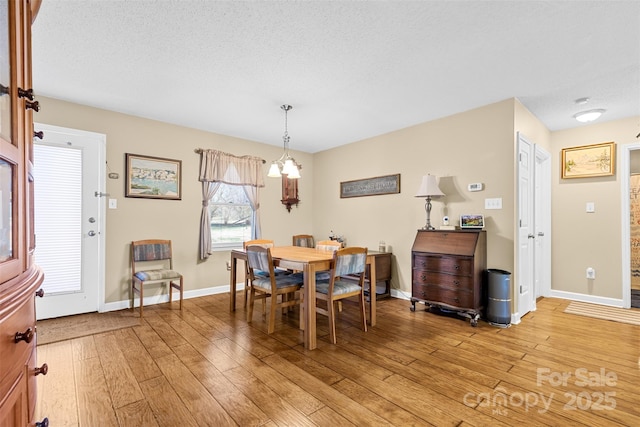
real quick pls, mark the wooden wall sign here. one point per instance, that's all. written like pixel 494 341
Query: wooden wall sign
pixel 388 184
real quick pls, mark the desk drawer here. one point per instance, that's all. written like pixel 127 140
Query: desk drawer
pixel 444 264
pixel 429 278
pixel 437 294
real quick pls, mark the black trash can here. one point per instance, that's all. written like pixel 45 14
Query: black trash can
pixel 499 298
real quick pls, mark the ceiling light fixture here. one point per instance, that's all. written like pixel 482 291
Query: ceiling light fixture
pixel 588 116
pixel 285 165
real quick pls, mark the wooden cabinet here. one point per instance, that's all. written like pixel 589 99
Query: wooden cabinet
pixel 448 269
pixel 383 273
pixel 20 278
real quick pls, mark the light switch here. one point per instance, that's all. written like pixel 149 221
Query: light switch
pixel 113 203
pixel 495 203
pixel 591 207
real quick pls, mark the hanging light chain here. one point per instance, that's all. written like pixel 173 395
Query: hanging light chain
pixel 285 137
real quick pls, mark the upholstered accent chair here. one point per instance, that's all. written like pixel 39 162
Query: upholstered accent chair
pixel 347 261
pixel 152 263
pixel 260 260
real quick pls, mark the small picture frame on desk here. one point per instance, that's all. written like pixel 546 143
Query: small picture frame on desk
pixel 475 221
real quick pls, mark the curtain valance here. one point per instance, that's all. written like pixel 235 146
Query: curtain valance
pixel 217 166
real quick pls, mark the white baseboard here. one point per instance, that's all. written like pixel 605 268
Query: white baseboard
pixel 159 299
pixel 397 293
pixel 613 302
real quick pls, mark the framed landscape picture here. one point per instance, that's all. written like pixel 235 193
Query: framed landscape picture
pixel 153 177
pixel 589 161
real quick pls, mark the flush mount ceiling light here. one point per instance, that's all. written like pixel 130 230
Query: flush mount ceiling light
pixel 285 165
pixel 588 116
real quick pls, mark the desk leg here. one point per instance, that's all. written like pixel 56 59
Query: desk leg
pixel 310 307
pixel 372 292
pixel 232 283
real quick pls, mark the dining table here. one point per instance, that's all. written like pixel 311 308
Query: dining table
pixel 309 261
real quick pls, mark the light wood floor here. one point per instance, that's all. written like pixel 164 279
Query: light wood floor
pixel 208 367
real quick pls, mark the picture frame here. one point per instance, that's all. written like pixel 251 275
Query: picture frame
pixel 472 221
pixel 589 161
pixel 387 184
pixel 150 177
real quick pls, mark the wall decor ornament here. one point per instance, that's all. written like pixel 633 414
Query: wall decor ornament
pixel 153 177
pixel 289 191
pixel 388 184
pixel 589 161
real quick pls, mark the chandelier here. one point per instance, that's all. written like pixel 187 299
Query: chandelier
pixel 285 165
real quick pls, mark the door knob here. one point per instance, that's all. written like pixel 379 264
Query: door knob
pixel 531 236
pixel 540 233
pixel 92 233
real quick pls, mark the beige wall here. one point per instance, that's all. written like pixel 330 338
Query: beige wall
pixel 473 146
pixel 176 220
pixel 581 239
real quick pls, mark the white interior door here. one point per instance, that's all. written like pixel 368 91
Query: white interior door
pixel 526 228
pixel 542 224
pixel 69 220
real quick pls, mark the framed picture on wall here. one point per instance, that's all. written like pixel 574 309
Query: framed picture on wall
pixel 153 177
pixel 589 161
pixel 472 221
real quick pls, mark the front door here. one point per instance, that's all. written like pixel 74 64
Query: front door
pixel 69 219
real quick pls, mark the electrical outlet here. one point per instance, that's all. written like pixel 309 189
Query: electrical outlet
pixel 591 273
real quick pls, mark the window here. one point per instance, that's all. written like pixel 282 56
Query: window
pixel 231 217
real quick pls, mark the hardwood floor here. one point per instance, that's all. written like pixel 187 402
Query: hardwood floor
pixel 208 367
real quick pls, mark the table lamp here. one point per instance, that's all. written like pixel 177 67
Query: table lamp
pixel 429 188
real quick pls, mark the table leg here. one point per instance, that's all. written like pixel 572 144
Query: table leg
pixel 310 307
pixel 232 283
pixel 372 292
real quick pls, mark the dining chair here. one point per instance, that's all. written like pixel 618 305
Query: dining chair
pixel 351 260
pixel 305 240
pixel 266 243
pixel 152 263
pixel 260 260
pixel 326 245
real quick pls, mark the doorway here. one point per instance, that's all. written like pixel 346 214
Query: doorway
pixel 69 220
pixel 533 278
pixel 630 168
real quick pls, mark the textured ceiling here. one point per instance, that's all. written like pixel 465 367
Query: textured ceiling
pixel 351 69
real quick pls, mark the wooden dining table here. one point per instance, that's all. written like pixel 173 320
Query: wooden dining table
pixel 307 260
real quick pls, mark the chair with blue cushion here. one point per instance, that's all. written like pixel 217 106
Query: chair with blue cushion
pixel 152 263
pixel 347 261
pixel 260 260
pixel 266 243
pixel 326 245
pixel 304 240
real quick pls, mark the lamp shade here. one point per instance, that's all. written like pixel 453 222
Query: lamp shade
pixel 429 187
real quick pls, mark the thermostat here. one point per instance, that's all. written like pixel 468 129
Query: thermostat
pixel 478 186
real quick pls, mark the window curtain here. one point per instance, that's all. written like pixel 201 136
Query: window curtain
pixel 217 167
